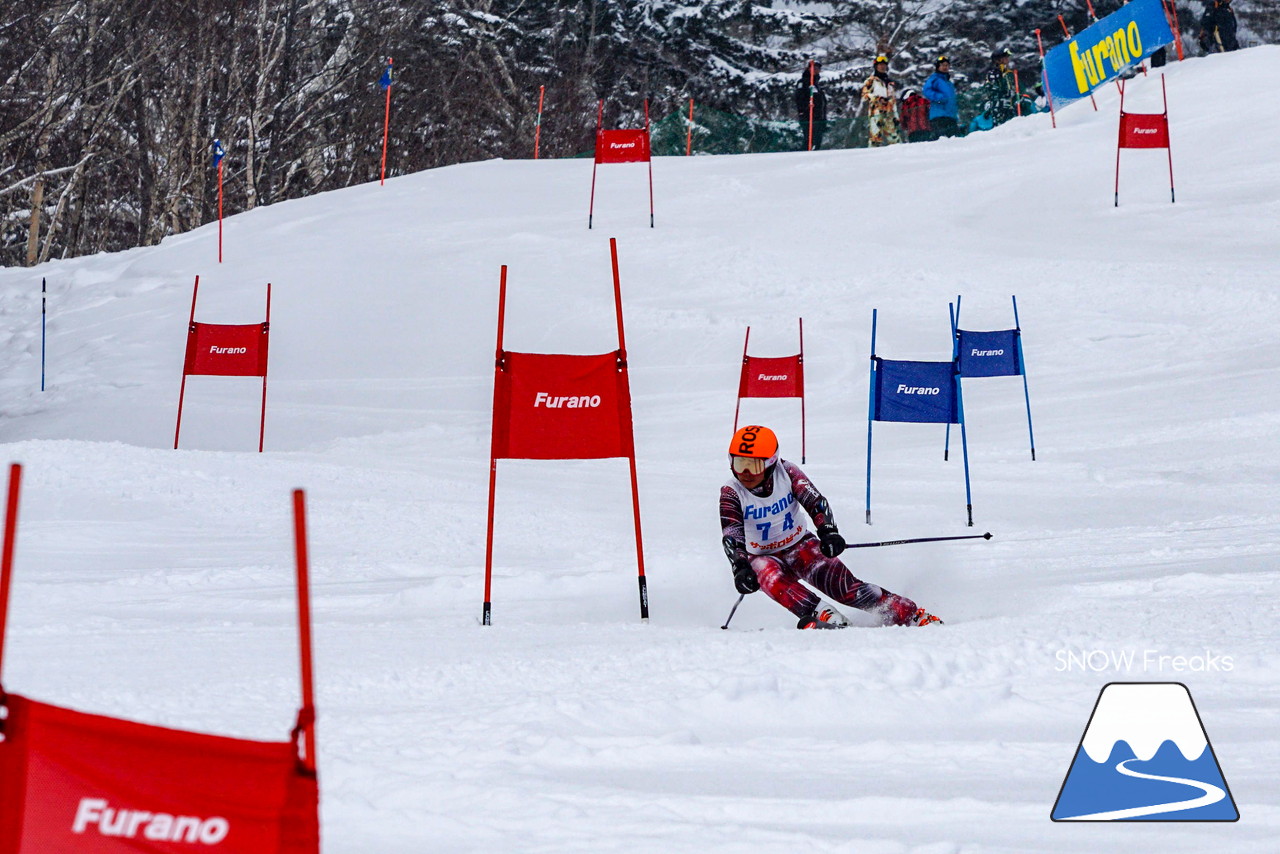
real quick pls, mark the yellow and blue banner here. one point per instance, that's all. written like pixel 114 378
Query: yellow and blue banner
pixel 1097 54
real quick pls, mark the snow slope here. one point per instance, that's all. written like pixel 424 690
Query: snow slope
pixel 156 584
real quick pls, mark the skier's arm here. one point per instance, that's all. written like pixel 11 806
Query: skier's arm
pixel 734 541
pixel 816 506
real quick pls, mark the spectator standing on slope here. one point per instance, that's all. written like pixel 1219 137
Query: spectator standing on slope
pixel 914 110
pixel 1218 28
pixel 809 87
pixel 762 517
pixel 941 93
pixel 999 95
pixel 880 94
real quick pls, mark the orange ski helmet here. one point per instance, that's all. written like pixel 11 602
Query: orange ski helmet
pixel 753 449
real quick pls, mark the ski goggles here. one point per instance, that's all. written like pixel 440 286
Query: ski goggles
pixel 748 465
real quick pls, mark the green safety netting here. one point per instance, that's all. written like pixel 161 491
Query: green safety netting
pixel 719 132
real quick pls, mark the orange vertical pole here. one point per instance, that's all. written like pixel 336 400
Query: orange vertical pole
pixel 182 389
pixel 6 562
pixel 1017 88
pixel 738 406
pixel 219 211
pixel 498 365
pixel 1048 93
pixel 307 715
pixel 688 138
pixel 266 329
pixel 811 79
pixel 591 208
pixel 631 459
pixel 537 127
pixel 802 421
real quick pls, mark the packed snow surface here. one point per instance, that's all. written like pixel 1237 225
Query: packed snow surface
pixel 1141 545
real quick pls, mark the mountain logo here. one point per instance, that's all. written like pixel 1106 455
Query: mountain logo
pixel 1145 756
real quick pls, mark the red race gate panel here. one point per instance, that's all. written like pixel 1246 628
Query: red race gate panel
pixel 622 146
pixel 775 377
pixel 772 377
pixel 1144 130
pixel 227 350
pixel 71 781
pixel 554 407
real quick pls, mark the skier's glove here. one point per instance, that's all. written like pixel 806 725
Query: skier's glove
pixel 832 544
pixel 744 578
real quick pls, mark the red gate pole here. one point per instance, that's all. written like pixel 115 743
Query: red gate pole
pixel 182 389
pixel 1168 138
pixel 1067 32
pixel 631 458
pixel 307 714
pixel 219 211
pixel 266 330
pixel 688 138
pixel 386 123
pixel 738 406
pixel 811 77
pixel 1119 144
pixel 595 162
pixel 537 127
pixel 493 461
pixel 6 563
pixel 802 424
pixel 1053 115
pixel 1017 88
pixel 649 144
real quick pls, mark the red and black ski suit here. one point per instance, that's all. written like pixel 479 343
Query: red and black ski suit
pixel 782 551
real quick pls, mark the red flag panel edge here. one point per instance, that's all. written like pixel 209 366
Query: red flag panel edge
pixel 622 146
pixel 1144 130
pixel 71 781
pixel 772 377
pixel 227 350
pixel 557 407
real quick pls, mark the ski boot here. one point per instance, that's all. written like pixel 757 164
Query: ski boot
pixel 823 617
pixel 923 618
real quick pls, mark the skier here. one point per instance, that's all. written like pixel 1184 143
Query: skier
pixel 880 93
pixel 770 546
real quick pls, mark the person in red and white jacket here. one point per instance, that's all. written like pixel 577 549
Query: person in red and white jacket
pixel 771 548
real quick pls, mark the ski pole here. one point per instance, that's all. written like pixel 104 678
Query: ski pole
pixel 734 610
pixel 985 536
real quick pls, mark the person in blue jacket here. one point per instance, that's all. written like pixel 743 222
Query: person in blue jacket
pixel 941 93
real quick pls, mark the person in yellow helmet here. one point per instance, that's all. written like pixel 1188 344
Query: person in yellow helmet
pixel 770 546
pixel 881 96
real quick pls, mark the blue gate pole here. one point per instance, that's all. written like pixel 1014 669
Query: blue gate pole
pixel 1022 368
pixel 871 409
pixel 42 327
pixel 964 444
pixel 955 354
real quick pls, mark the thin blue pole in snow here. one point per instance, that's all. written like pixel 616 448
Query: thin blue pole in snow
pixel 1022 369
pixel 871 408
pixel 42 330
pixel 964 444
pixel 955 354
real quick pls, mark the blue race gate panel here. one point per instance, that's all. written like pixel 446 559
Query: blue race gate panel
pixel 989 354
pixel 920 392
